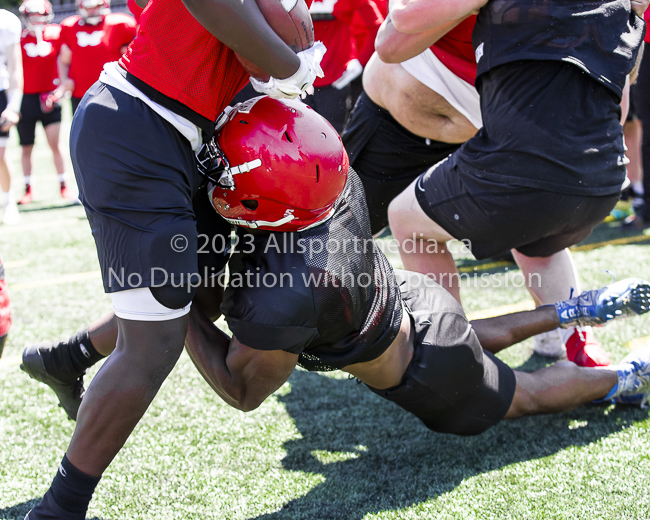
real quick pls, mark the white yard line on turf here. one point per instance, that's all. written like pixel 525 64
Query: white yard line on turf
pixel 37 226
pixel 54 281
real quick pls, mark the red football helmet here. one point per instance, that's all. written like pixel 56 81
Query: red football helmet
pixel 285 166
pixel 92 12
pixel 36 12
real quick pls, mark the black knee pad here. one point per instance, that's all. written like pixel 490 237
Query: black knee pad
pixel 173 297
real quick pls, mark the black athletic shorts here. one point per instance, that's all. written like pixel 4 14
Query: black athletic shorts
pixel 30 114
pixel 3 105
pixel 496 217
pixel 386 156
pixel 75 103
pixel 143 194
pixel 451 384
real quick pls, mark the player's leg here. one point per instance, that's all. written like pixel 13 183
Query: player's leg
pixel 26 127
pixel 565 386
pixel 550 279
pixel 26 163
pixel 422 242
pixel 52 126
pixel 8 209
pixel 151 311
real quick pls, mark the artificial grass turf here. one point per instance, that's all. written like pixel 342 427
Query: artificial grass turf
pixel 323 447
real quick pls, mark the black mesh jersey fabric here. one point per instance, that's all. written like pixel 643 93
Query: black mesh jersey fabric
pixel 327 293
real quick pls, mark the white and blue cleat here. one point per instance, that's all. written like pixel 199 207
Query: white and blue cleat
pixel 629 297
pixel 633 385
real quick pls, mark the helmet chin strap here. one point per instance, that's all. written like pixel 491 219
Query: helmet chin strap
pixel 254 224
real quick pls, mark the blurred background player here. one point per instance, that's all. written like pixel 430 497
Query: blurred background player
pixel 364 39
pixel 414 112
pixel 40 44
pixel 5 309
pixel 90 39
pixel 333 19
pixel 11 92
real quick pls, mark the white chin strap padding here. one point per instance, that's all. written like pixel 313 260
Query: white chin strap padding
pixel 254 224
pixel 245 167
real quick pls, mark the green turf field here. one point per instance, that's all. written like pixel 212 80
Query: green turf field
pixel 322 447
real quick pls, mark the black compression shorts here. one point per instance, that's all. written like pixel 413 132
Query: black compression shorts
pixel 30 114
pixel 497 217
pixel 386 156
pixel 143 195
pixel 452 385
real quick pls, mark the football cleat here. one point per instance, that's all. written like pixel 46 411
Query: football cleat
pixel 27 198
pixel 633 385
pixel 629 297
pixel 69 393
pixel 68 194
pixel 584 350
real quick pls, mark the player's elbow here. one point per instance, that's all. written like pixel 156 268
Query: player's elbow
pixel 248 404
pixel 404 21
pixel 387 53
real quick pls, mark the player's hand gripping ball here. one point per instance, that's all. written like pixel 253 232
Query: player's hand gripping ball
pixel 291 21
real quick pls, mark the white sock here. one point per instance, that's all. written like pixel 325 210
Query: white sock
pixel 637 186
pixel 4 198
pixel 28 179
pixel 62 177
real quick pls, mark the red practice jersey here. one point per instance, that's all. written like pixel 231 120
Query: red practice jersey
pixel 94 45
pixel 332 26
pixel 5 306
pixel 364 36
pixel 40 72
pixel 177 56
pixel 135 9
pixel 456 52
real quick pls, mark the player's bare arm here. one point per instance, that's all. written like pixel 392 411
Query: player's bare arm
pixel 414 16
pixel 394 46
pixel 243 377
pixel 65 60
pixel 241 26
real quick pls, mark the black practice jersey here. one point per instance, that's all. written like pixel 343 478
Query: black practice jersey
pixel 327 293
pixel 602 37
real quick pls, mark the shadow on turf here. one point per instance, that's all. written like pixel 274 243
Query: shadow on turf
pixel 19 511
pixel 386 459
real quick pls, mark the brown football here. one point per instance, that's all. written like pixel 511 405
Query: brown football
pixel 291 21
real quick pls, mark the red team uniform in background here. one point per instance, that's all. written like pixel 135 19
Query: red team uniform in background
pixel 5 308
pixel 94 45
pixel 343 62
pixel 39 60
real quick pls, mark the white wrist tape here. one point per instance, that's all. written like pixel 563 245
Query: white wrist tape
pixel 301 82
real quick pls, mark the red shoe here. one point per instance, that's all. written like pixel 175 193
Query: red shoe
pixel 27 198
pixel 584 350
pixel 69 195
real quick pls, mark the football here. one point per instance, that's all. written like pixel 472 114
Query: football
pixel 291 21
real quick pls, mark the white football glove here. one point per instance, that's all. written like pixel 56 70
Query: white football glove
pixel 302 82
